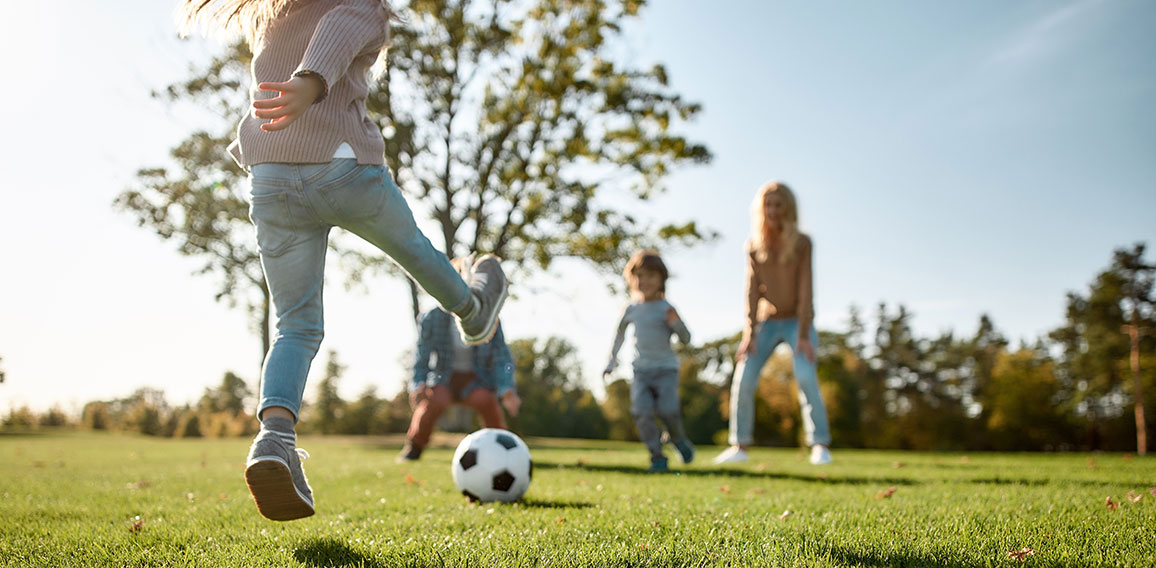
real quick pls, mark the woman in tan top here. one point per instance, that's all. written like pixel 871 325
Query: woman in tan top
pixel 779 308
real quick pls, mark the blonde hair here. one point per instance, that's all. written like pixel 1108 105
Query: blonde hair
pixel 250 17
pixel 761 232
pixel 645 260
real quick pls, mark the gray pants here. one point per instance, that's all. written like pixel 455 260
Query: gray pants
pixel 655 392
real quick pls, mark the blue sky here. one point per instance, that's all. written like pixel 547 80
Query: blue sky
pixel 960 158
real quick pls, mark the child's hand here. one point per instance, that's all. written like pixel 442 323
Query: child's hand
pixel 671 316
pixel 296 96
pixel 511 402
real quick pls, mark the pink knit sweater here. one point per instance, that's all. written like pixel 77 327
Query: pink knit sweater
pixel 340 39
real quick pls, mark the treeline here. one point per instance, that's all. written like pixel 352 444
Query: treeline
pixel 1087 385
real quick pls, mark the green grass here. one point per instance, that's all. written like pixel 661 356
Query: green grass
pixel 72 499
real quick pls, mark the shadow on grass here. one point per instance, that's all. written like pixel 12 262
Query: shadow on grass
pixel 329 552
pixel 732 472
pixel 847 557
pixel 540 504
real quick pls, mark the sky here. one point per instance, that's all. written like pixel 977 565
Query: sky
pixel 959 158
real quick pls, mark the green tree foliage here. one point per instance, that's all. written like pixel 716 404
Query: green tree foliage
pixel 1096 350
pixel 198 204
pixel 616 409
pixel 511 120
pixel 229 396
pixel 328 410
pixel 188 425
pixel 1019 402
pixel 554 402
pixel 95 416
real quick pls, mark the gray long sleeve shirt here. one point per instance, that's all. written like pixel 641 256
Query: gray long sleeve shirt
pixel 652 348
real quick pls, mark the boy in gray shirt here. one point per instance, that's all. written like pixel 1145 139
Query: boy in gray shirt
pixel 654 390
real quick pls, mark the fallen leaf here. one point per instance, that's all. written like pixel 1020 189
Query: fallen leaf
pixel 1152 490
pixel 582 461
pixel 1021 554
pixel 136 525
pixel 1127 457
pixel 1091 463
pixel 560 521
pixel 725 488
pixel 822 476
pixel 762 466
pixel 410 479
pixel 886 492
pixel 142 484
pixel 785 514
pixel 223 496
pixel 897 465
pixel 1108 502
pixel 643 546
pixel 964 459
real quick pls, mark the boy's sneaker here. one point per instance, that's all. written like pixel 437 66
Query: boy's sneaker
pixel 276 478
pixel 820 455
pixel 409 452
pixel 685 450
pixel 488 285
pixel 658 466
pixel 733 454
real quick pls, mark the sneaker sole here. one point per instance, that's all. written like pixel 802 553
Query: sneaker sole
pixel 491 325
pixel 272 487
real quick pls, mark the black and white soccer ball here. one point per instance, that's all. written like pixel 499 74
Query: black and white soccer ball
pixel 492 465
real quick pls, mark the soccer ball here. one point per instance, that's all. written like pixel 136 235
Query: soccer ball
pixel 492 465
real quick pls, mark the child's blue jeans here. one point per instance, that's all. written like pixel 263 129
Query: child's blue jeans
pixel 768 335
pixel 294 206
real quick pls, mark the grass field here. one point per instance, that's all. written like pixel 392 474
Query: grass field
pixel 120 500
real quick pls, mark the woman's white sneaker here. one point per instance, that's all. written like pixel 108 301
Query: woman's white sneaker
pixel 733 454
pixel 820 455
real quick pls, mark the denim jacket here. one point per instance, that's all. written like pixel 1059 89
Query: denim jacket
pixel 492 361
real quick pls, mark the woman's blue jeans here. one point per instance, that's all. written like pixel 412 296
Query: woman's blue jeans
pixel 294 206
pixel 768 335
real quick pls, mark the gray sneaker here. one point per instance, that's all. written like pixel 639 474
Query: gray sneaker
pixel 488 284
pixel 276 478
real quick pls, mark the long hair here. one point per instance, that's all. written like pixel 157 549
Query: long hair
pixel 644 260
pixel 761 232
pixel 249 17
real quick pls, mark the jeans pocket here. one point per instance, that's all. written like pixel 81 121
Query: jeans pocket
pixel 270 213
pixel 357 193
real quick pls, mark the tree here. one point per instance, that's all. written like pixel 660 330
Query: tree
pixel 2 376
pixel 229 396
pixel 554 403
pixel 1019 413
pixel 511 120
pixel 199 204
pixel 1096 357
pixel 329 409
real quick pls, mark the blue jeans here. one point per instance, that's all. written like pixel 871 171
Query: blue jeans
pixel 768 335
pixel 654 392
pixel 294 206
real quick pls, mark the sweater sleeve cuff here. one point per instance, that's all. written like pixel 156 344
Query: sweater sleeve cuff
pixel 315 75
